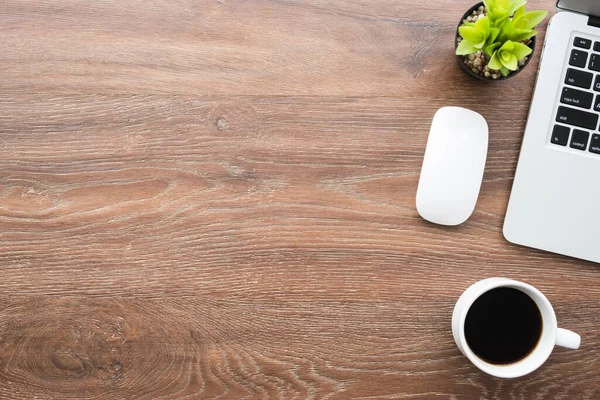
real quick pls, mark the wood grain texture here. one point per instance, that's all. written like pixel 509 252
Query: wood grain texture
pixel 215 199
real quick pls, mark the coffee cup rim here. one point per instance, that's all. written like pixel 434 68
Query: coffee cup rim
pixel 538 355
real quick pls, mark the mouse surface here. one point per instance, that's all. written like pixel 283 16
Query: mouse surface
pixel 453 166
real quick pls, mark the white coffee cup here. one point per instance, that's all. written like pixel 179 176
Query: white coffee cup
pixel 551 335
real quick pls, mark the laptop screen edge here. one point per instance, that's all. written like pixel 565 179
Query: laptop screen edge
pixel 588 7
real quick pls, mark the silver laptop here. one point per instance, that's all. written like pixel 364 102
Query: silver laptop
pixel 555 201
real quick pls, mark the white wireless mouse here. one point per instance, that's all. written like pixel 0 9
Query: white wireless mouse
pixel 453 166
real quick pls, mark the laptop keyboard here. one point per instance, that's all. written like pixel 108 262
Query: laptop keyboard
pixel 579 112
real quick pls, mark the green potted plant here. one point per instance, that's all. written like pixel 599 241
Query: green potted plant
pixel 495 38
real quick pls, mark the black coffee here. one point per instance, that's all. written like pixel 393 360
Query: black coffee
pixel 503 326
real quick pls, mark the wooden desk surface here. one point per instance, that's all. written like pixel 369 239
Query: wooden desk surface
pixel 215 199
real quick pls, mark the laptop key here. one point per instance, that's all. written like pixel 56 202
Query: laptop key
pixel 577 98
pixel 597 47
pixel 580 119
pixel 595 145
pixel 578 58
pixel 597 84
pixel 597 103
pixel 578 78
pixel 595 62
pixel 580 139
pixel 560 135
pixel 583 43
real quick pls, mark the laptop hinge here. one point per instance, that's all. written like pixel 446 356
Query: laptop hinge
pixel 594 21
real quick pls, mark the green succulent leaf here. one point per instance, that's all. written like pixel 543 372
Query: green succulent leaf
pixel 501 10
pixel 530 19
pixel 492 48
pixel 516 4
pixel 494 32
pixel 465 48
pixel 519 13
pixel 509 30
pixel 521 35
pixel 483 24
pixel 472 35
pixel 477 36
pixel 495 62
pixel 507 57
pixel 521 51
pixel 509 60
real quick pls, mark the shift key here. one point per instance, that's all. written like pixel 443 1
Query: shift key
pixel 578 118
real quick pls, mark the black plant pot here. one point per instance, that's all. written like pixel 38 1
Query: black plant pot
pixel 468 70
